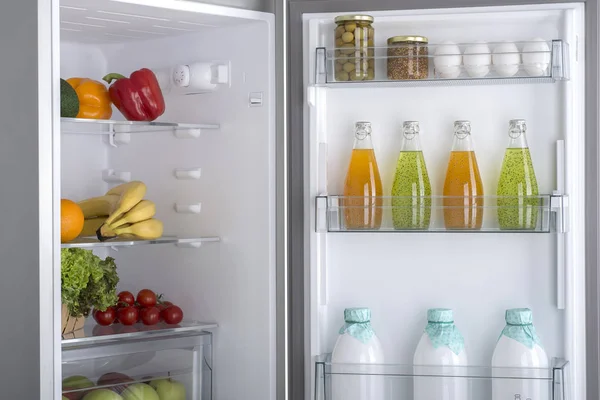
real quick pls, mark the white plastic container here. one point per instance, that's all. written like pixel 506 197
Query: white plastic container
pixel 357 344
pixel 441 345
pixel 520 347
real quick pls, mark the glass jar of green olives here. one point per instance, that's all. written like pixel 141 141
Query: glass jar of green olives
pixel 354 52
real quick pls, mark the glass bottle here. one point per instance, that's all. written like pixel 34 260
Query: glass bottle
pixel 362 189
pixel 463 204
pixel 518 201
pixel 411 190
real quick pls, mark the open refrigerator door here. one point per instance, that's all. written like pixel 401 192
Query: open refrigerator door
pixel 399 250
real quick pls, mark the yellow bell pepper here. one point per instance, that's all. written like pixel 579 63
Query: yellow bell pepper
pixel 94 100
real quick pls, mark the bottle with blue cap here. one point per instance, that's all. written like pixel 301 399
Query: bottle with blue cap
pixel 520 347
pixel 441 351
pixel 357 344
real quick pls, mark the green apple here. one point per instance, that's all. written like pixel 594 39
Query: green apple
pixel 169 389
pixel 64 398
pixel 77 382
pixel 102 394
pixel 139 391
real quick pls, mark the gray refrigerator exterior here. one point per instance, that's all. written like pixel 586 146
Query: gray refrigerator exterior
pixel 26 284
pixel 298 255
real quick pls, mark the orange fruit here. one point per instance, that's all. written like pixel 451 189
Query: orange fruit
pixel 71 220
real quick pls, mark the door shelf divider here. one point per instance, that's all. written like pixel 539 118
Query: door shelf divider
pixel 396 380
pixel 547 64
pixel 93 242
pixel 428 214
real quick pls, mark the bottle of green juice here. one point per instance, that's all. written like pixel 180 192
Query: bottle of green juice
pixel 518 201
pixel 411 191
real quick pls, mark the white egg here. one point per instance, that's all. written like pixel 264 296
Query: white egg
pixel 447 59
pixel 506 59
pixel 477 60
pixel 536 57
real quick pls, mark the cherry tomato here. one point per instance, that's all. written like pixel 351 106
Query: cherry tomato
pixel 146 298
pixel 150 315
pixel 128 315
pixel 105 318
pixel 172 315
pixel 126 297
pixel 139 308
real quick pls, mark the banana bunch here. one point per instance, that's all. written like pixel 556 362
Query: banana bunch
pixel 122 211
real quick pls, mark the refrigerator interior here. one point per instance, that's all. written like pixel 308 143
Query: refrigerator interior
pixel 230 282
pixel 479 275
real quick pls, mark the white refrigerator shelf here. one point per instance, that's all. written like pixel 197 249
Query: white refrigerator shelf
pixel 337 67
pixel 427 214
pixel 396 380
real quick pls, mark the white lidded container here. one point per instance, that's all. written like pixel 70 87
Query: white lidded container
pixel 440 359
pixel 519 353
pixel 357 344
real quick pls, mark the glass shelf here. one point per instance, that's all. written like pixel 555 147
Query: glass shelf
pixel 547 64
pixel 528 214
pixel 397 381
pixel 106 126
pixel 93 242
pixel 93 334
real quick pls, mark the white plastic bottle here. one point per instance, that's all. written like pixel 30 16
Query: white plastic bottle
pixel 357 344
pixel 520 347
pixel 440 359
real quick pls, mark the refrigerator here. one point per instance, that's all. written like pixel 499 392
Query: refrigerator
pixel 246 168
pixel 399 275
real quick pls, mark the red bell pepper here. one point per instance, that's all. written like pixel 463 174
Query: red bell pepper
pixel 138 97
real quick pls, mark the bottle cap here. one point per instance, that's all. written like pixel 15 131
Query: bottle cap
pixel 410 129
pixel 516 127
pixel 359 314
pixel 363 129
pixel 462 129
pixel 440 315
pixel 519 316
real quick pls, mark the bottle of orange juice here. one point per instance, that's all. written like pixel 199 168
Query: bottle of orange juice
pixel 362 205
pixel 463 204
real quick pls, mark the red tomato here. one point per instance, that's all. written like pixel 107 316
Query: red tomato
pixel 150 315
pixel 161 306
pixel 146 298
pixel 128 315
pixel 172 315
pixel 139 308
pixel 126 297
pixel 105 318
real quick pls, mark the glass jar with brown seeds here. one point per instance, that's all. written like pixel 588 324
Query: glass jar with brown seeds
pixel 354 53
pixel 407 58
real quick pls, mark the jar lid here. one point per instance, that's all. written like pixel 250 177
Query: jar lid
pixel 400 39
pixel 344 18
